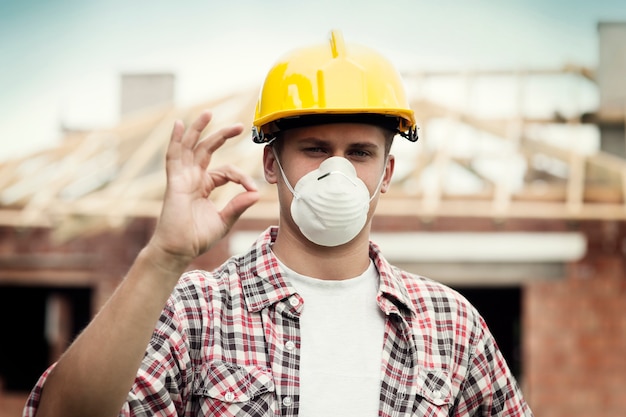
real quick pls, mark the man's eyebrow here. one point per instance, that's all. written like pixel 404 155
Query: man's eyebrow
pixel 368 146
pixel 313 141
pixel 364 145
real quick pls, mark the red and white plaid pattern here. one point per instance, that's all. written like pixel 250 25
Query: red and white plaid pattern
pixel 220 348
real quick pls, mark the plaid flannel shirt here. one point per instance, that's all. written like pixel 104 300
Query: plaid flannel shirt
pixel 227 344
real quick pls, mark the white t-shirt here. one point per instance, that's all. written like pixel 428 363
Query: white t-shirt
pixel 342 330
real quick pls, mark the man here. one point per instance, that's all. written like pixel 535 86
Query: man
pixel 312 320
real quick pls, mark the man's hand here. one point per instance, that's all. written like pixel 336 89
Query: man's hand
pixel 190 223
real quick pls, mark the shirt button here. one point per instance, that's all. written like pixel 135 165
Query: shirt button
pixel 287 401
pixel 229 396
pixel 436 395
pixel 290 345
pixel 294 301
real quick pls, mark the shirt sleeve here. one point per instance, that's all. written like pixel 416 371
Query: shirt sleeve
pixel 32 402
pixel 163 383
pixel 490 388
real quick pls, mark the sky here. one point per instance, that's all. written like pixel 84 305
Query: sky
pixel 61 60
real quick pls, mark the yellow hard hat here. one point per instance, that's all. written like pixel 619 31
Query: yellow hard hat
pixel 331 80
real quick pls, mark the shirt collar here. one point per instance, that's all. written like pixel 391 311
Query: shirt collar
pixel 261 279
pixel 393 294
pixel 263 283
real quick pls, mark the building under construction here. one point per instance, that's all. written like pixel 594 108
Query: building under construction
pixel 523 211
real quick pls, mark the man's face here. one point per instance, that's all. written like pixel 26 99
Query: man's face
pixel 304 149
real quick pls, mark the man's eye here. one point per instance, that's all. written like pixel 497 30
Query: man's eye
pixel 359 153
pixel 314 149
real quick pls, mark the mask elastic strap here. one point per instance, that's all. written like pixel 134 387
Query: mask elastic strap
pixel 380 181
pixel 280 167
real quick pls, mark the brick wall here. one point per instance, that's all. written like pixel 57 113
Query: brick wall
pixel 575 333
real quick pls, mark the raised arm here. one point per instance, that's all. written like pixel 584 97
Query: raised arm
pixel 93 377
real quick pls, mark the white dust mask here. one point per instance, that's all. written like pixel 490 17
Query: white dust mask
pixel 330 204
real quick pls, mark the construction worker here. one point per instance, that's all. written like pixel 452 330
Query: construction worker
pixel 312 320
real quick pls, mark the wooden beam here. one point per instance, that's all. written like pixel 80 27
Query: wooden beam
pixel 583 71
pixel 56 278
pixel 484 209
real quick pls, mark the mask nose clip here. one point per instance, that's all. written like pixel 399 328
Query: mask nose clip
pixel 336 172
pixel 323 176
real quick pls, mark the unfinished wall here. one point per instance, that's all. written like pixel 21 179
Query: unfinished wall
pixel 573 329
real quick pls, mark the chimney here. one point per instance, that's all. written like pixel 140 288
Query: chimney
pixel 611 76
pixel 142 91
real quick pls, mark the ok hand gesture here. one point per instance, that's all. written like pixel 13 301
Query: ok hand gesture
pixel 190 223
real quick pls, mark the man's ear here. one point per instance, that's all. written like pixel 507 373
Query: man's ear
pixel 270 166
pixel 389 167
